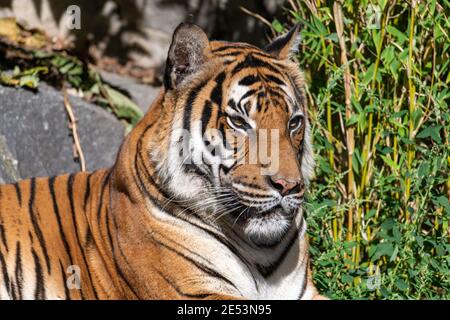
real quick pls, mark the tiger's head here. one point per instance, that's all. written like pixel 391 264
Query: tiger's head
pixel 239 149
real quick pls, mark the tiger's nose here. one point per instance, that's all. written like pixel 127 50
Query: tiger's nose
pixel 285 187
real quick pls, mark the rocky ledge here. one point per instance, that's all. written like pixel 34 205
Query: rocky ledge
pixel 36 138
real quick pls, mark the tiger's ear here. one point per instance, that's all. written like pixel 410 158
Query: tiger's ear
pixel 285 46
pixel 187 53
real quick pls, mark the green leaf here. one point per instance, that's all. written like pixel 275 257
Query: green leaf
pixel 419 240
pixel 347 278
pixel 401 37
pixel 401 284
pixel 277 26
pixel 394 254
pixel 320 27
pixel 376 37
pixel 353 119
pixel 443 202
pixel 66 68
pixel 29 82
pixel 383 249
pixel 433 132
pixel 368 75
pixel 424 170
pixel 391 163
pixel 123 107
pixel 440 250
pixel 396 234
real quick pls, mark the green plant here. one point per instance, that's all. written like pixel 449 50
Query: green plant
pixel 378 74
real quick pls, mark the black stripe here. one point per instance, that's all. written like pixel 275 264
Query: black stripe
pixel 251 185
pixel 266 271
pixel 262 54
pixel 70 183
pixel 216 93
pixel 251 194
pixel 261 97
pixel 206 115
pixel 189 104
pixel 87 192
pixel 234 46
pixel 236 52
pixel 3 237
pixel 274 92
pixel 149 178
pixel 63 276
pixel 232 105
pixel 108 230
pixel 35 223
pixel 275 79
pixel 102 194
pixel 19 271
pixel 39 293
pixel 298 94
pixel 230 54
pixel 136 177
pixel 138 181
pixel 226 170
pixel 182 293
pixel 13 291
pixel 249 80
pixel 51 186
pixel 89 240
pixel 119 269
pixel 18 193
pixel 253 62
pixel 305 282
pixel 247 94
pixel 200 266
pixel 5 273
pixel 193 168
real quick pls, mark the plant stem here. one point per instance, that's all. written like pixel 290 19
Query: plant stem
pixel 412 94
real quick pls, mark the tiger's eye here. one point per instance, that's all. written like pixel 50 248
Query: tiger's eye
pixel 239 122
pixel 295 122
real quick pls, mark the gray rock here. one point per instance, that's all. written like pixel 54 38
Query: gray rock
pixel 8 165
pixel 35 138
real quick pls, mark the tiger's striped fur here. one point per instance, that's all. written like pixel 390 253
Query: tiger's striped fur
pixel 157 227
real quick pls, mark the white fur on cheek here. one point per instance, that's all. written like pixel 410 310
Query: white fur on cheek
pixel 178 181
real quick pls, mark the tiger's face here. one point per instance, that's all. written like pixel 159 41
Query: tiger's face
pixel 239 148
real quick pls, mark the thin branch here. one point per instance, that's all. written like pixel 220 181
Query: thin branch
pixel 73 126
pixel 260 18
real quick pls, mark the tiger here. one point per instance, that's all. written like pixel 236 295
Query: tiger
pixel 182 213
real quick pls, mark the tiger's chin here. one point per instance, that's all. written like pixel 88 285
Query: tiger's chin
pixel 266 228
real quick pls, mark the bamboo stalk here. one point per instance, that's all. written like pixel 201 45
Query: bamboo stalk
pixel 350 138
pixel 412 94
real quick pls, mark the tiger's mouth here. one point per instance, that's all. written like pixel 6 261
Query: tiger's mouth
pixel 264 227
pixel 256 208
pixel 253 212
